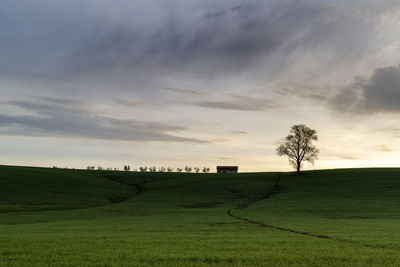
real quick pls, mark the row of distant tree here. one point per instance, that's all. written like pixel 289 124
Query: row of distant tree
pixel 297 146
pixel 153 169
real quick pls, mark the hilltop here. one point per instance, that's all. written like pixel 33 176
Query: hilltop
pixel 90 218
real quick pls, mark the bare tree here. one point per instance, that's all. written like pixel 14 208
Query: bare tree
pixel 143 169
pixel 205 169
pixel 196 169
pixel 298 147
pixel 188 169
pixel 152 169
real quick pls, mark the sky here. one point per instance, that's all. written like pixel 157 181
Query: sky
pixel 198 82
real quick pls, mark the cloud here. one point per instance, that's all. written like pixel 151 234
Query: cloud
pixel 313 92
pixel 241 103
pixel 133 103
pixel 142 40
pixel 183 91
pixel 128 51
pixel 383 148
pixel 379 93
pixel 225 158
pixel 239 132
pixel 56 119
pixel 347 157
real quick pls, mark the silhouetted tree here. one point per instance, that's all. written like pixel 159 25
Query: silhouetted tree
pixel 152 169
pixel 143 169
pixel 205 169
pixel 298 147
pixel 188 169
pixel 178 169
pixel 196 169
pixel 170 169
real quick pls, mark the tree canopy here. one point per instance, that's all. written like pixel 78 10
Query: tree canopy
pixel 298 146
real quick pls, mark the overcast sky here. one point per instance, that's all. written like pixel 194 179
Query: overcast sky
pixel 198 82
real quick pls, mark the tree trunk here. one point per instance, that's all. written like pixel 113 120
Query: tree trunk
pixel 298 169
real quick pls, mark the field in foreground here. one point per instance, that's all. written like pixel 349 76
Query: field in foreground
pixel 54 217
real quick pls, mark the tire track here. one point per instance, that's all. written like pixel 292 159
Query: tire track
pixel 277 227
pixel 293 231
pixel 274 190
pixel 139 188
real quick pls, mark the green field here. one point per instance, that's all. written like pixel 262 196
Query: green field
pixel 55 217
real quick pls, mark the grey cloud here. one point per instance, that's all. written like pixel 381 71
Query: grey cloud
pixel 63 101
pixel 382 92
pixel 216 14
pixel 148 38
pixel 184 91
pixel 318 93
pixel 239 132
pixel 241 103
pixel 223 12
pixel 54 120
pixel 347 157
pixel 378 93
pixel 128 51
pixel 133 103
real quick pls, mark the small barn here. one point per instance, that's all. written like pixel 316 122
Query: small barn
pixel 227 169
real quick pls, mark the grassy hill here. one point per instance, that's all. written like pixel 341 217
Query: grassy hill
pixel 55 217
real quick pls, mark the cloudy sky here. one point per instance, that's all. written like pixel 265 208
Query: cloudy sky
pixel 198 82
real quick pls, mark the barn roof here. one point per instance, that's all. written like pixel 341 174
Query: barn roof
pixel 227 167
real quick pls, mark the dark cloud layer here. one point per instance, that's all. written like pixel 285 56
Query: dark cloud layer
pixel 141 40
pixel 59 120
pixel 378 93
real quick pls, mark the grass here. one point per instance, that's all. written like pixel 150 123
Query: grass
pixel 54 217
